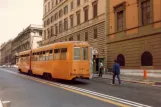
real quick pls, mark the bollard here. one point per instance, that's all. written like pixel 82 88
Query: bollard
pixel 145 74
pixel 6 103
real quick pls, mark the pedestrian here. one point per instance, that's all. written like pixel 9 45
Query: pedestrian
pixel 116 72
pixel 101 68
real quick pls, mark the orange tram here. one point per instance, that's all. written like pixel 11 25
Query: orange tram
pixel 63 60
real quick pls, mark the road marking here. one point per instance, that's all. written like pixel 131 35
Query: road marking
pixel 92 94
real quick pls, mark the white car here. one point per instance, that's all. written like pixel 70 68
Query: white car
pixel 4 66
pixel 14 66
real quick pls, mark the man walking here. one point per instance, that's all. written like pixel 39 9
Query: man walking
pixel 101 68
pixel 116 72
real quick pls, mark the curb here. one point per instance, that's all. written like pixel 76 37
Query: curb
pixel 147 83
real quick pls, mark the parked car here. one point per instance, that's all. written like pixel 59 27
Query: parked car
pixel 14 66
pixel 4 66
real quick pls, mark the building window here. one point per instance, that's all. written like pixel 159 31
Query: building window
pixel 120 21
pixel 56 29
pixel 72 5
pixel 66 9
pixel 51 28
pixel 60 27
pixel 44 34
pixel 52 3
pixel 86 13
pixel 56 2
pixel 51 19
pixel 95 9
pixel 86 36
pixel 48 33
pixel 56 16
pixel 85 1
pixel 145 10
pixel 120 17
pixel 95 33
pixel 71 39
pixel 121 60
pixel 60 13
pixel 44 23
pixel 48 6
pixel 71 21
pixel 78 37
pixel 66 24
pixel 45 9
pixel 146 59
pixel 48 21
pixel 78 2
pixel 78 17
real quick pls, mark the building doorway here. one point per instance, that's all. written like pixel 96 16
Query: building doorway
pixel 95 64
pixel 96 61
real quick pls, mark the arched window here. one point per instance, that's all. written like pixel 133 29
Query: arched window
pixel 146 59
pixel 121 60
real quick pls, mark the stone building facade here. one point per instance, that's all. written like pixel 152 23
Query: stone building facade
pixel 2 53
pixel 134 33
pixel 27 39
pixel 0 56
pixel 76 20
pixel 6 53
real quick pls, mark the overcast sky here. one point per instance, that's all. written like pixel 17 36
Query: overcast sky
pixel 18 14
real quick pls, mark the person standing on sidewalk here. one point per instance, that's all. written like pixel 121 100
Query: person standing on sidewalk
pixel 101 68
pixel 116 72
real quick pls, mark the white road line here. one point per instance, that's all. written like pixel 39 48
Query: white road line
pixel 103 95
pixel 123 101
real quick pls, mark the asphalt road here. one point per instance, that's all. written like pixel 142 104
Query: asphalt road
pixel 15 88
pixel 27 93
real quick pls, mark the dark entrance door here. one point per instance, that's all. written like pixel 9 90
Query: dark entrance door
pixel 97 65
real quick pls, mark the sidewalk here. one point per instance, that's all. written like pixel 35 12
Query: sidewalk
pixel 133 79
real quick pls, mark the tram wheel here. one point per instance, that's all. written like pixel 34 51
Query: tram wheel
pixel 20 71
pixel 30 72
pixel 47 76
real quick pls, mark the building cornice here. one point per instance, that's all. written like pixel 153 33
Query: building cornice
pixel 26 30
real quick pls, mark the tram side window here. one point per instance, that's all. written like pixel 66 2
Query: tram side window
pixel 50 55
pixel 46 56
pixel 21 58
pixel 37 56
pixel 32 57
pixel 76 53
pixel 56 54
pixel 27 57
pixel 24 57
pixel 85 53
pixel 63 54
pixel 40 56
